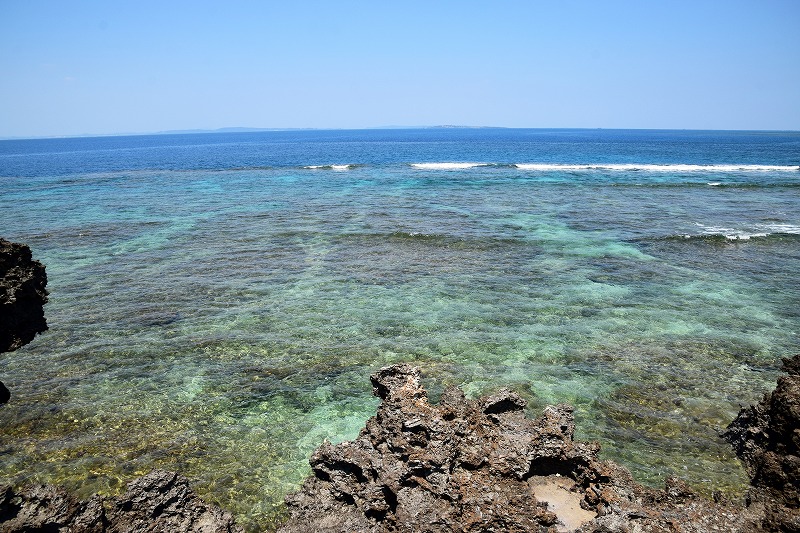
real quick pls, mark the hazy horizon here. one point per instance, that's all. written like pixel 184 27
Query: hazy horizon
pixel 244 129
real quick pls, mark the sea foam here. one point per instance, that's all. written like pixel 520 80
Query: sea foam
pixel 745 234
pixel 329 167
pixel 447 166
pixel 656 168
pixel 626 167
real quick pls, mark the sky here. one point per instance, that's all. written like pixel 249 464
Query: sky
pixel 106 67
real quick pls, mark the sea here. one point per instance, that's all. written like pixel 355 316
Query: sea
pixel 218 301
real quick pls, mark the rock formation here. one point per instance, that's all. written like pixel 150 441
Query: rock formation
pixel 766 438
pixel 22 296
pixel 481 465
pixel 160 502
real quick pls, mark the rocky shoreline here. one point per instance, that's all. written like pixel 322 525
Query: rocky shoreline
pixel 459 465
pixel 464 465
pixel 480 465
pixel 160 502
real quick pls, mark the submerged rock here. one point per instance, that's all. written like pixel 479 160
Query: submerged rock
pixel 766 438
pixel 160 502
pixel 481 465
pixel 22 295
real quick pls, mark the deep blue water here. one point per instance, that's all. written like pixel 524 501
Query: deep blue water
pixel 218 301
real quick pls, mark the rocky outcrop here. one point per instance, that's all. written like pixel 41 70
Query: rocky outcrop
pixel 766 438
pixel 481 465
pixel 22 295
pixel 160 502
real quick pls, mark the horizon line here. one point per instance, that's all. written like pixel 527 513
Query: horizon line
pixel 244 129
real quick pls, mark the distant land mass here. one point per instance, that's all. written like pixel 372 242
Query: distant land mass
pixel 239 129
pixel 249 130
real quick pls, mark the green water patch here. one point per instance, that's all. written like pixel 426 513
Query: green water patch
pixel 242 433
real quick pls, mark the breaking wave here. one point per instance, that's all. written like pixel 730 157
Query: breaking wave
pixel 624 167
pixel 720 234
pixel 628 167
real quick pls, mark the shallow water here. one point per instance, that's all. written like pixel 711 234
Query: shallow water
pixel 219 301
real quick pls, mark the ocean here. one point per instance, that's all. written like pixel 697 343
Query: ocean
pixel 218 301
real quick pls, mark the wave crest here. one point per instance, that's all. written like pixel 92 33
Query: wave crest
pixel 448 166
pixel 631 167
pixel 329 167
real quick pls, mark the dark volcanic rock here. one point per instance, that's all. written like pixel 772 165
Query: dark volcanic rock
pixel 766 438
pixel 160 502
pixel 482 466
pixel 163 501
pixel 22 295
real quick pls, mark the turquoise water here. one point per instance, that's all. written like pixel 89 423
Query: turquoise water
pixel 218 301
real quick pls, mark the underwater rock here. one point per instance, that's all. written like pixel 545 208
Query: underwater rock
pixel 22 295
pixel 160 502
pixel 481 465
pixel 766 438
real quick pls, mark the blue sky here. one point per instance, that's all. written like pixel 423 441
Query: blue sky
pixel 81 67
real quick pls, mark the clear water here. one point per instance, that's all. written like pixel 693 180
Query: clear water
pixel 218 301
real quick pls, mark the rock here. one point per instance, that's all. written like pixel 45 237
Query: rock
pixel 160 502
pixel 48 508
pixel 483 466
pixel 766 438
pixel 22 295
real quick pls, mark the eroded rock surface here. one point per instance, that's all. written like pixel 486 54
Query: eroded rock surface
pixel 22 295
pixel 766 438
pixel 160 502
pixel 481 465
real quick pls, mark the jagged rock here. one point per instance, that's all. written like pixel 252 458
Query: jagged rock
pixel 22 295
pixel 48 508
pixel 160 502
pixel 483 466
pixel 766 438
